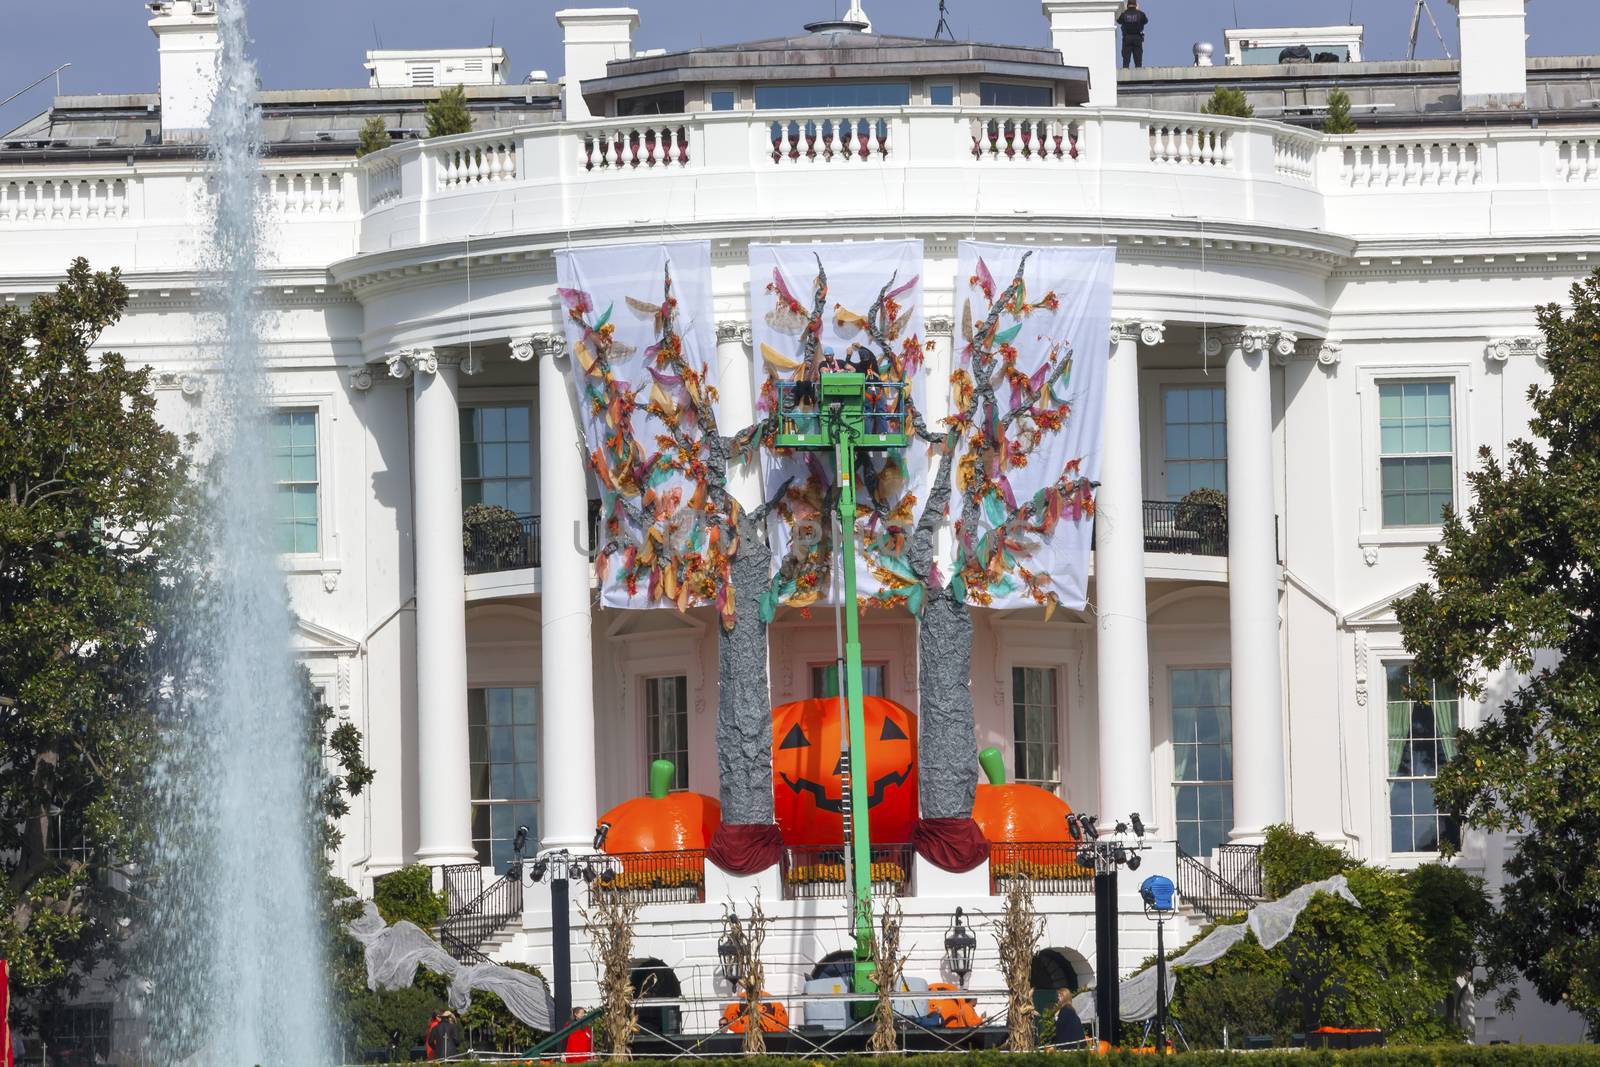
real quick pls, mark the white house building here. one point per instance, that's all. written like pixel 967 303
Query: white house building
pixel 1325 328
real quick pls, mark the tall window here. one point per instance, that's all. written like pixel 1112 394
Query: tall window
pixel 666 724
pixel 80 1033
pixel 1195 432
pixel 503 732
pixel 1417 450
pixel 496 459
pixel 1422 738
pixel 1202 758
pixel 825 680
pixel 294 468
pixel 1035 730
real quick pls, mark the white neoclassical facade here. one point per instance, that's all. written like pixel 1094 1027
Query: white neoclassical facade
pixel 1324 328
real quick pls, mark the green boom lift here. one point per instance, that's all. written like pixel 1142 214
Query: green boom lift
pixel 844 413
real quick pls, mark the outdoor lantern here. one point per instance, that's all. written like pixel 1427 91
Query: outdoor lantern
pixel 728 951
pixel 959 944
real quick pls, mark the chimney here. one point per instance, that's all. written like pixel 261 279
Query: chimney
pixel 594 37
pixel 1085 33
pixel 189 45
pixel 1494 54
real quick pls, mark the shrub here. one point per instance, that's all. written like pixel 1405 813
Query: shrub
pixel 374 137
pixel 492 533
pixel 1338 119
pixel 1203 510
pixel 1230 102
pixel 448 114
pixel 408 894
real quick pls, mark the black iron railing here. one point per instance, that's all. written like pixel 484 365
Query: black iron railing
pixel 503 544
pixel 816 872
pixel 1240 867
pixel 463 883
pixel 465 930
pixel 1202 887
pixel 652 877
pixel 1192 530
pixel 1047 868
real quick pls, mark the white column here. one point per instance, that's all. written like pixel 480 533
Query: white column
pixel 566 700
pixel 1258 778
pixel 1122 658
pixel 444 786
pixel 736 405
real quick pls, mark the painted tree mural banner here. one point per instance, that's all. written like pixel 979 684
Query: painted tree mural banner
pixel 639 325
pixel 1019 453
pixel 1028 391
pixel 859 303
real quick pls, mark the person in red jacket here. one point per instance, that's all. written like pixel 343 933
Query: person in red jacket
pixel 579 1047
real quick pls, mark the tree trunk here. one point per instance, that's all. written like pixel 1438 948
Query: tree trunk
pixel 947 739
pixel 744 706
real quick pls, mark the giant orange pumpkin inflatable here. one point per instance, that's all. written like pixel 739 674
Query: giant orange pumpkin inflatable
pixel 1017 813
pixel 662 821
pixel 806 765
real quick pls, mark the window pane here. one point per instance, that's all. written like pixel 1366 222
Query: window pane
pixel 722 100
pixel 942 95
pixel 833 94
pixel 1004 94
pixel 1400 834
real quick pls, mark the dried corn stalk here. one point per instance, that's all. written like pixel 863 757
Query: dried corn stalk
pixel 1017 933
pixel 610 917
pixel 747 936
pixel 888 967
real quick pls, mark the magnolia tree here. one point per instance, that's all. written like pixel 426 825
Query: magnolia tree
pixel 672 532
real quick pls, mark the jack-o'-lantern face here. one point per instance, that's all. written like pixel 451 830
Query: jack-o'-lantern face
pixel 806 762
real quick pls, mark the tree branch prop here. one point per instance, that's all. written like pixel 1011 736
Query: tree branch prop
pixel 1017 934
pixel 610 917
pixel 888 968
pixel 747 937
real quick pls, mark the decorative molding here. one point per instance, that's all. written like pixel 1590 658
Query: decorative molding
pixel 1124 330
pixel 191 384
pixel 1327 353
pixel 1361 668
pixel 553 344
pixel 423 360
pixel 731 330
pixel 1369 555
pixel 330 581
pixel 361 379
pixel 1252 339
pixel 1503 349
pixel 1284 344
pixel 342 682
pixel 939 326
pixel 399 365
pixel 522 348
pixel 1152 333
pixel 1211 343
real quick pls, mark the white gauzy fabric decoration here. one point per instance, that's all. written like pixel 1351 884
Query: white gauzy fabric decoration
pixel 861 304
pixel 643 359
pixel 1270 922
pixel 393 954
pixel 1029 383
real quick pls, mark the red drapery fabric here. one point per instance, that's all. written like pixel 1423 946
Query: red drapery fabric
pixel 955 845
pixel 747 848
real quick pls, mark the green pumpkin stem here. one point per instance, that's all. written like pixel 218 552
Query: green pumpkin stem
pixel 994 765
pixel 662 772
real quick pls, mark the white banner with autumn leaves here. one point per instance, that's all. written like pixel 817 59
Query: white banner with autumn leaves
pixel 639 325
pixel 1028 390
pixel 849 301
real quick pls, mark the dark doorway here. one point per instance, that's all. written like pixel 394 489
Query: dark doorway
pixel 653 980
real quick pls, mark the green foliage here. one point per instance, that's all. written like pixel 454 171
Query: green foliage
pixel 91 487
pixel 1202 510
pixel 1338 119
pixel 408 895
pixel 374 137
pixel 448 114
pixel 378 1015
pixel 1390 964
pixel 1514 579
pixel 1230 102
pixel 1433 1056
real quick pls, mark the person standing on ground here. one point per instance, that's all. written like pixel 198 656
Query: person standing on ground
pixel 579 1047
pixel 1133 22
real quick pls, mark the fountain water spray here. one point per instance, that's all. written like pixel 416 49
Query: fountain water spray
pixel 237 969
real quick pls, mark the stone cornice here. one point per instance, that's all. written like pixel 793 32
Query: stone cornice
pixel 730 330
pixel 1146 332
pixel 1506 348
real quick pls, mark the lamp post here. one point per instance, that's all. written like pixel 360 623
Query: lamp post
pixel 959 944
pixel 1157 892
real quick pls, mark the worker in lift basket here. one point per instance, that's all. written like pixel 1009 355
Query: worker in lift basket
pixel 1133 22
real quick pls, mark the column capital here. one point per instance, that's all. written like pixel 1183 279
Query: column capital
pixel 1504 348
pixel 361 379
pixel 1147 332
pixel 553 344
pixel 522 348
pixel 733 330
pixel 1324 351
pixel 939 326
pixel 1283 344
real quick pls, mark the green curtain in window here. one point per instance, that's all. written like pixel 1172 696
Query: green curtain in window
pixel 1445 724
pixel 1399 732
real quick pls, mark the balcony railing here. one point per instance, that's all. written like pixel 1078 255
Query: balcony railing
pixel 502 545
pixel 817 872
pixel 1193 531
pixel 1047 868
pixel 653 877
pixel 1205 889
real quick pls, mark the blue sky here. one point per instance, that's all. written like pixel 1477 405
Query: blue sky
pixel 313 43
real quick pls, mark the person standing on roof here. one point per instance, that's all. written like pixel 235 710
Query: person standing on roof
pixel 1133 22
